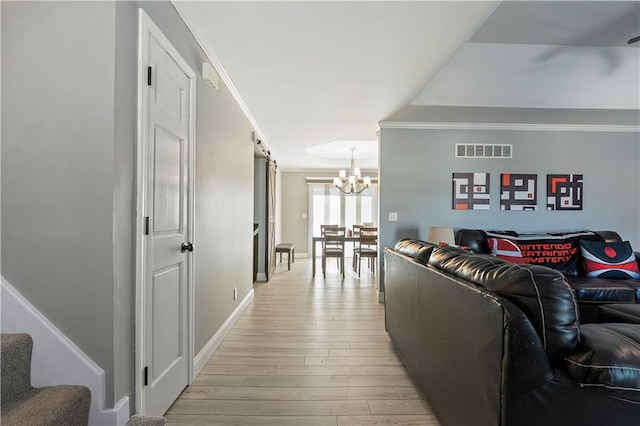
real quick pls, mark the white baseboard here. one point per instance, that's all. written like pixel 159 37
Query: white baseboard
pixel 381 297
pixel 207 351
pixel 56 360
pixel 261 276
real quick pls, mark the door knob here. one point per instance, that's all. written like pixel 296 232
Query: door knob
pixel 186 247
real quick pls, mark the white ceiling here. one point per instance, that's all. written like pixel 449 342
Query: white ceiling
pixel 312 73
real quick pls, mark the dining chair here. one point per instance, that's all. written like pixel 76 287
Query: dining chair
pixel 366 246
pixel 333 246
pixel 322 229
pixel 356 234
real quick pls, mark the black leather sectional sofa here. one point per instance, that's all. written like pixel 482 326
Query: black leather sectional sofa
pixel 591 292
pixel 493 343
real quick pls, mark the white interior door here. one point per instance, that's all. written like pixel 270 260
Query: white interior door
pixel 167 192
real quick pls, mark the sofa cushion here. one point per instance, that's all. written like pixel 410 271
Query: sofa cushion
pixel 609 260
pixel 608 358
pixel 505 249
pixel 416 249
pixel 556 250
pixel 541 293
pixel 602 290
pixel 635 286
pixel 620 312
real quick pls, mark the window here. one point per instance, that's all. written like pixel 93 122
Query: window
pixel 329 206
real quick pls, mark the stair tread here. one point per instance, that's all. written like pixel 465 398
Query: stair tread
pixel 15 363
pixel 52 405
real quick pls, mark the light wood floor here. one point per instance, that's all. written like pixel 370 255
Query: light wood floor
pixel 306 352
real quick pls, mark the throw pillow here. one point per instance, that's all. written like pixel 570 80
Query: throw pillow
pixel 505 249
pixel 555 250
pixel 609 260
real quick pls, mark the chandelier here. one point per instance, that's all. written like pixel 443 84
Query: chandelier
pixel 354 183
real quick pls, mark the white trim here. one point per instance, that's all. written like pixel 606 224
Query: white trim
pixel 512 126
pixel 210 347
pixel 261 276
pixel 381 297
pixel 56 360
pixel 191 212
pixel 187 16
pixel 146 26
pixel 141 165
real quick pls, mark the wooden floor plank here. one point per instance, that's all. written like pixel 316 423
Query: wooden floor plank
pixel 270 408
pixel 397 420
pixel 210 420
pixel 306 351
pixel 255 360
pixel 352 360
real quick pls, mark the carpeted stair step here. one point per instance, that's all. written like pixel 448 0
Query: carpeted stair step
pixel 140 420
pixel 15 365
pixel 23 404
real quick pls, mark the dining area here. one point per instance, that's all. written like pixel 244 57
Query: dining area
pixel 358 242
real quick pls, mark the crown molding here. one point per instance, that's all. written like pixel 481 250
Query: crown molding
pixel 188 17
pixel 512 126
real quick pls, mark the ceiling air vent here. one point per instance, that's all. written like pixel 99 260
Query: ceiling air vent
pixel 472 150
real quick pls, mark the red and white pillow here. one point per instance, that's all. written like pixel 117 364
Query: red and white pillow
pixel 505 249
pixel 609 260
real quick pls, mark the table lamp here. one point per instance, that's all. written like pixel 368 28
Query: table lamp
pixel 442 235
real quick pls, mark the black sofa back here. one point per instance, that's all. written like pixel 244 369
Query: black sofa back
pixel 473 351
pixel 463 339
pixel 541 293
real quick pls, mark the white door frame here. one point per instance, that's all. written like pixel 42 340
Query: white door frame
pixel 146 27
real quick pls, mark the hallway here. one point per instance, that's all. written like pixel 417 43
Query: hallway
pixel 306 352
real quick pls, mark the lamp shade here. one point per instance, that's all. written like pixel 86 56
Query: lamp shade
pixel 441 234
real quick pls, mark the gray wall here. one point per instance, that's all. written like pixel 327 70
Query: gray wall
pixel 224 210
pixel 124 202
pixel 58 166
pixel 295 202
pixel 416 168
pixel 68 176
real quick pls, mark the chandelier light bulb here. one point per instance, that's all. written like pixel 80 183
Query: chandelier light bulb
pixel 352 184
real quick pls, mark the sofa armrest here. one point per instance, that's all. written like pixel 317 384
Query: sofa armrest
pixel 466 348
pixel 526 366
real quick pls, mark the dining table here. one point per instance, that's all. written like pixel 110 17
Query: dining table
pixel 319 239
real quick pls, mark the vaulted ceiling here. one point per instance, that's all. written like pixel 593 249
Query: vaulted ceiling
pixel 316 77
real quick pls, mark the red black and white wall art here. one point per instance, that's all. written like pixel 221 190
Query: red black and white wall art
pixel 470 191
pixel 564 192
pixel 518 191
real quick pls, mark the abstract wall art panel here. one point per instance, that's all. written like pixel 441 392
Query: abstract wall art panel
pixel 518 191
pixel 470 191
pixel 564 192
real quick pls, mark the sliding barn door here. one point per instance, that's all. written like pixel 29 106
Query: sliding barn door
pixel 271 220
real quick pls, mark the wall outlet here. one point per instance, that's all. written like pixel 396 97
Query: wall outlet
pixel 393 216
pixel 235 293
pixel 304 215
